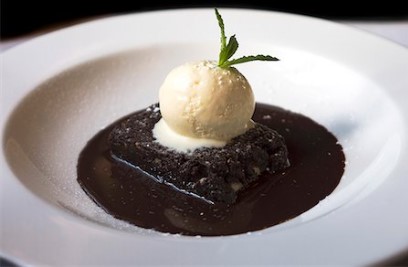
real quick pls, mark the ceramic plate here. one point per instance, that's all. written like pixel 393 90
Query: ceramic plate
pixel 60 89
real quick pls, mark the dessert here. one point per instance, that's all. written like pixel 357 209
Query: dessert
pixel 208 160
pixel 202 100
pixel 201 138
pixel 213 173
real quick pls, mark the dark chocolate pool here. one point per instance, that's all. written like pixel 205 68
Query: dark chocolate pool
pixel 129 194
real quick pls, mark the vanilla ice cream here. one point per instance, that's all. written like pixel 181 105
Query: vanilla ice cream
pixel 200 100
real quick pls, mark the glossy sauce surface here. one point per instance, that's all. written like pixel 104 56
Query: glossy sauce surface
pixel 127 193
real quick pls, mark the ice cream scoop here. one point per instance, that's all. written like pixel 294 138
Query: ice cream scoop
pixel 202 100
pixel 207 103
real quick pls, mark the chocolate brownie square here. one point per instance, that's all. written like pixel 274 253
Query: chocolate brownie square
pixel 215 174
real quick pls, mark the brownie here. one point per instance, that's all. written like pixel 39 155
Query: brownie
pixel 215 174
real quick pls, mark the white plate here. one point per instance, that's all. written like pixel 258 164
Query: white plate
pixel 58 90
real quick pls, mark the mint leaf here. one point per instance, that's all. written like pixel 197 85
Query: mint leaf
pixel 247 59
pixel 232 47
pixel 221 24
pixel 228 50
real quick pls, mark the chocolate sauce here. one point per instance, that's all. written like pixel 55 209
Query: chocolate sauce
pixel 127 193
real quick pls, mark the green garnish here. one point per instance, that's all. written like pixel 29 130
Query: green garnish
pixel 229 49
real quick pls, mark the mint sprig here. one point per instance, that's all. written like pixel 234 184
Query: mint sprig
pixel 228 49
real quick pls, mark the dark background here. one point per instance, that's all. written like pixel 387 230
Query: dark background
pixel 21 17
